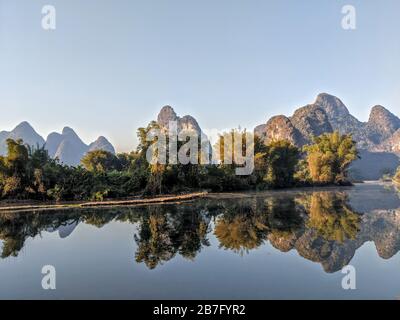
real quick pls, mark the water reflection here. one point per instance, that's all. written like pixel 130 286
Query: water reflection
pixel 331 216
pixel 241 225
pixel 162 234
pixel 321 226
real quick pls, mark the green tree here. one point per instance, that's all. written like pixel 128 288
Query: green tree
pixel 282 158
pixel 100 161
pixel 14 175
pixel 128 161
pixel 155 171
pixel 329 158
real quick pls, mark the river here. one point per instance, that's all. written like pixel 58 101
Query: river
pixel 276 245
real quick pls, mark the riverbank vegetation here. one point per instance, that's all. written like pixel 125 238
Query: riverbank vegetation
pixel 29 173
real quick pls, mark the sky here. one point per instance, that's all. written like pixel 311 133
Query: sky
pixel 109 66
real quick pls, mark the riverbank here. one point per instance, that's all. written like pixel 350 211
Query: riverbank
pixel 99 204
pixel 171 199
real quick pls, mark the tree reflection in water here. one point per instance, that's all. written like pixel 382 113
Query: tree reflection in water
pixel 163 234
pixel 331 216
pixel 241 226
pixel 316 224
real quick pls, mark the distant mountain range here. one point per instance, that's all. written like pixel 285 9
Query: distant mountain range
pixel 67 146
pixel 378 139
pixel 328 113
pixel 70 149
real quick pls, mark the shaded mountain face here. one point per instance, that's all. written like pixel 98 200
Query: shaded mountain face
pixel 393 143
pixel 373 165
pixel 311 121
pixel 382 124
pixel 23 131
pixel 338 114
pixel 102 144
pixel 67 146
pixel 69 149
pixel 53 141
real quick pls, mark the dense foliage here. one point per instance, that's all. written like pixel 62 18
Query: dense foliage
pixel 27 173
pixel 329 158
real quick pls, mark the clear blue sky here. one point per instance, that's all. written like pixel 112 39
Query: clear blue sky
pixel 111 65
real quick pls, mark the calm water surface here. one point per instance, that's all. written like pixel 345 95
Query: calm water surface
pixel 277 245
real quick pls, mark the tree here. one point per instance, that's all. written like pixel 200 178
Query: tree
pixel 155 171
pixel 14 174
pixel 17 157
pixel 231 147
pixel 42 172
pixel 282 158
pixel 100 161
pixel 329 158
pixel 128 161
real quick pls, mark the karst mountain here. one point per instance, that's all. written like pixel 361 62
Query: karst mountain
pixel 66 146
pixel 378 139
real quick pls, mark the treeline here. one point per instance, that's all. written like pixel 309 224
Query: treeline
pixel 27 173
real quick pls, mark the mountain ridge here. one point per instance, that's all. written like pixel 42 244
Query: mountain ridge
pixel 67 147
pixel 378 139
pixel 329 113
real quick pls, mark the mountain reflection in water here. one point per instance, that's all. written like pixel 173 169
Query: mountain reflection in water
pixel 325 226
